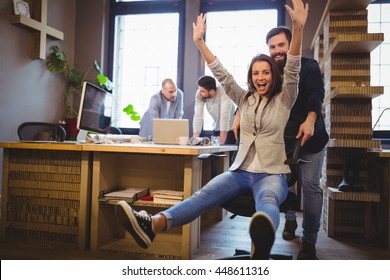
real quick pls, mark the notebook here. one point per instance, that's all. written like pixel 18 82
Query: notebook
pixel 166 131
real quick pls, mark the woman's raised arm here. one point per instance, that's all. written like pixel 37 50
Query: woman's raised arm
pixel 199 29
pixel 298 16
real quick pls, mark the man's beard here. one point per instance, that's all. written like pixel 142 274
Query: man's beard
pixel 280 63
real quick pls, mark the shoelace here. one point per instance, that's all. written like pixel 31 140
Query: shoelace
pixel 143 215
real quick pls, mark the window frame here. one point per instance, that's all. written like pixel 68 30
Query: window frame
pixel 118 8
pixel 147 7
pixel 240 5
pixel 378 108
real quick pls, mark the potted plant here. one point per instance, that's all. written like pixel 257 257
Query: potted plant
pixel 57 63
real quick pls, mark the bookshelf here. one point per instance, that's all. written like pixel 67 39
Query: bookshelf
pixel 45 198
pixel 337 5
pixel 342 45
pixel 175 168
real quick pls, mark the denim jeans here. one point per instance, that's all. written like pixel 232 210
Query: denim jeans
pixel 269 192
pixel 310 173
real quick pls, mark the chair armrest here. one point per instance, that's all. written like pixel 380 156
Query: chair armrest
pixel 211 156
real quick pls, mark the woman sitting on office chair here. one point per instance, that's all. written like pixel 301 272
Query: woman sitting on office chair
pixel 259 167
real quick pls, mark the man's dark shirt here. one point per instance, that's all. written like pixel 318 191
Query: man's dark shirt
pixel 310 97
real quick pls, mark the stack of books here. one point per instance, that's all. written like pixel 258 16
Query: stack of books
pixel 126 194
pixel 169 197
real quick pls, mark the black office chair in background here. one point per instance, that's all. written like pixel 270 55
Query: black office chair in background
pixel 41 131
pixel 115 130
pixel 245 205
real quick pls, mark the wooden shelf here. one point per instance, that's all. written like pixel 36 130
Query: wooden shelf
pixel 171 248
pixel 348 4
pixel 39 28
pixel 355 92
pixel 352 143
pixel 348 43
pixel 142 203
pixel 335 194
pixel 34 25
pixel 338 5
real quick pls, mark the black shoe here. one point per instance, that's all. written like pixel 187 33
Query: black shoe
pixel 139 224
pixel 307 252
pixel 263 236
pixel 289 229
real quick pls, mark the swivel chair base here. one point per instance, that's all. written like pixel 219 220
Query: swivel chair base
pixel 245 255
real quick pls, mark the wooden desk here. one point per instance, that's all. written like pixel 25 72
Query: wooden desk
pixel 95 168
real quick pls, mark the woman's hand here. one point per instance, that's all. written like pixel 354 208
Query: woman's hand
pixel 299 13
pixel 199 28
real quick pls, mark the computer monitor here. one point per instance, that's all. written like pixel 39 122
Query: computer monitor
pixel 95 110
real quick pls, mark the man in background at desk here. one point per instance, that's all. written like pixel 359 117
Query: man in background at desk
pixel 166 104
pixel 219 106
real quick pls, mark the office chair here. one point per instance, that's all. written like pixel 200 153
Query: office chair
pixel 41 131
pixel 115 130
pixel 245 205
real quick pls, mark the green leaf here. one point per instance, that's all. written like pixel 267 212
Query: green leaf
pixel 56 62
pixel 74 77
pixel 135 117
pixel 105 82
pixel 129 109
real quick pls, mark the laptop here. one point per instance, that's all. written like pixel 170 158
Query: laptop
pixel 166 131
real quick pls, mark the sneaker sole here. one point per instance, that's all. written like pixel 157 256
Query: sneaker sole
pixel 263 236
pixel 127 219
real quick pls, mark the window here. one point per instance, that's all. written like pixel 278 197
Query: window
pixel 145 52
pixel 146 44
pixel 379 22
pixel 236 36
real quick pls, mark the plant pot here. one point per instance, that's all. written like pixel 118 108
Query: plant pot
pixel 71 129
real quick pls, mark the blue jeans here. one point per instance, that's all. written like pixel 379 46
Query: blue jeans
pixel 310 173
pixel 269 192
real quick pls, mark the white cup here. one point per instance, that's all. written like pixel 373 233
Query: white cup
pixel 215 140
pixel 135 139
pixel 182 140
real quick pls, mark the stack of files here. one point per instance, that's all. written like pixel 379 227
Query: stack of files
pixel 169 197
pixel 126 194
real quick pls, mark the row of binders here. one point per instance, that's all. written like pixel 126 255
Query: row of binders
pixel 162 196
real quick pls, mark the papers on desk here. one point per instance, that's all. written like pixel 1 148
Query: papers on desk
pixel 114 138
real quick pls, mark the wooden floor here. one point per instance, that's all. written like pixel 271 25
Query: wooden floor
pixel 220 239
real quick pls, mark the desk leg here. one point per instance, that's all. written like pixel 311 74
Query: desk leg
pixel 192 183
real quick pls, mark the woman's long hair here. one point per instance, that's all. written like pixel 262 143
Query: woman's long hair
pixel 276 86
